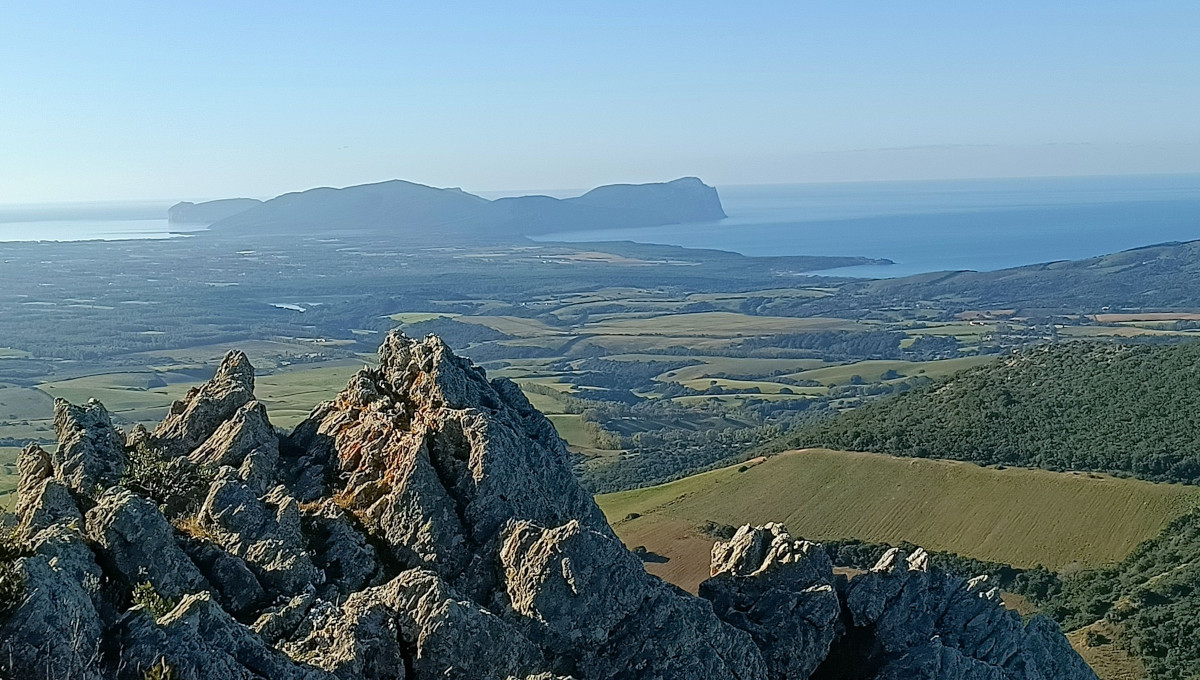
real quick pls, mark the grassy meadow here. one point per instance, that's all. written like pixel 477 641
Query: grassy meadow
pixel 1022 517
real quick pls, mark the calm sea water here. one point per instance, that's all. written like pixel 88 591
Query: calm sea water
pixel 109 221
pixel 88 230
pixel 944 225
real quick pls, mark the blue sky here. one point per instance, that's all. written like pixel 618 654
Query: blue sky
pixel 171 100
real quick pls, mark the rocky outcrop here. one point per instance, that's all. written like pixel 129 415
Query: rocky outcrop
pixel 90 456
pixel 780 591
pixel 193 419
pixel 425 524
pixel 138 544
pixel 923 621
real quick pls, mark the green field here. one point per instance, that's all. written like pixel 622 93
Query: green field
pixel 719 325
pixel 288 393
pixel 418 317
pixel 1017 516
pixel 734 367
pixel 291 394
pixel 872 371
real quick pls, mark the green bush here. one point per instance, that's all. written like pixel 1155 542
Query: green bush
pixel 177 484
pixel 145 595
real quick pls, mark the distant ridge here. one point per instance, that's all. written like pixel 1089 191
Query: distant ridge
pixel 210 211
pixel 431 214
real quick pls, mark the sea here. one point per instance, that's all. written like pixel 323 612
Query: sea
pixel 921 226
pixel 99 221
pixel 925 226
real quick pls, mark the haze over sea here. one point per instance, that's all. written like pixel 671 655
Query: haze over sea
pixel 921 226
pixel 940 225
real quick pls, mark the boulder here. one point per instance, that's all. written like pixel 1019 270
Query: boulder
pixel 55 631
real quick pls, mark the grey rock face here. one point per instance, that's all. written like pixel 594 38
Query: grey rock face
pixel 582 596
pixel 236 587
pixel 348 561
pixel 267 535
pixel 448 635
pixel 55 631
pixel 197 640
pixel 248 431
pixel 437 458
pixel 33 468
pixel 46 504
pixel 91 453
pixel 780 591
pixel 425 524
pixel 926 622
pixel 140 545
pixel 193 419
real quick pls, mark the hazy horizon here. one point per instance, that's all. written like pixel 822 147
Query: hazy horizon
pixel 568 192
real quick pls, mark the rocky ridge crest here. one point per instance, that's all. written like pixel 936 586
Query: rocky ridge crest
pixel 425 524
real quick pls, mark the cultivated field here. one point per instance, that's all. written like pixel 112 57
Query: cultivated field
pixel 1018 516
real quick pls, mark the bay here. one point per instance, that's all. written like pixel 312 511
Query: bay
pixel 927 226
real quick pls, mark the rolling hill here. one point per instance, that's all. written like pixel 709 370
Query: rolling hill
pixel 1073 406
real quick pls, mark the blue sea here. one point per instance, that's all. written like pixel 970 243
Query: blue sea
pixel 106 221
pixel 940 225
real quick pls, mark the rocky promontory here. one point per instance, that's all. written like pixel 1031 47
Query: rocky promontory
pixel 208 212
pixel 425 523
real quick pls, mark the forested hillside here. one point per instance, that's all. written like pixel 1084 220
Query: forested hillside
pixel 1078 406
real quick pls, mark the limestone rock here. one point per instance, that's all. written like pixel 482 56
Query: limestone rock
pixel 248 432
pixel 193 419
pixel 91 453
pixel 44 505
pixel 281 622
pixel 236 587
pixel 450 636
pixel 138 542
pixel 197 640
pixel 348 561
pixel 780 591
pixel 33 467
pixel 55 631
pixel 910 605
pixel 436 458
pixel 268 536
pixel 581 595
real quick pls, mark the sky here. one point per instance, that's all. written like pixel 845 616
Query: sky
pixel 124 100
